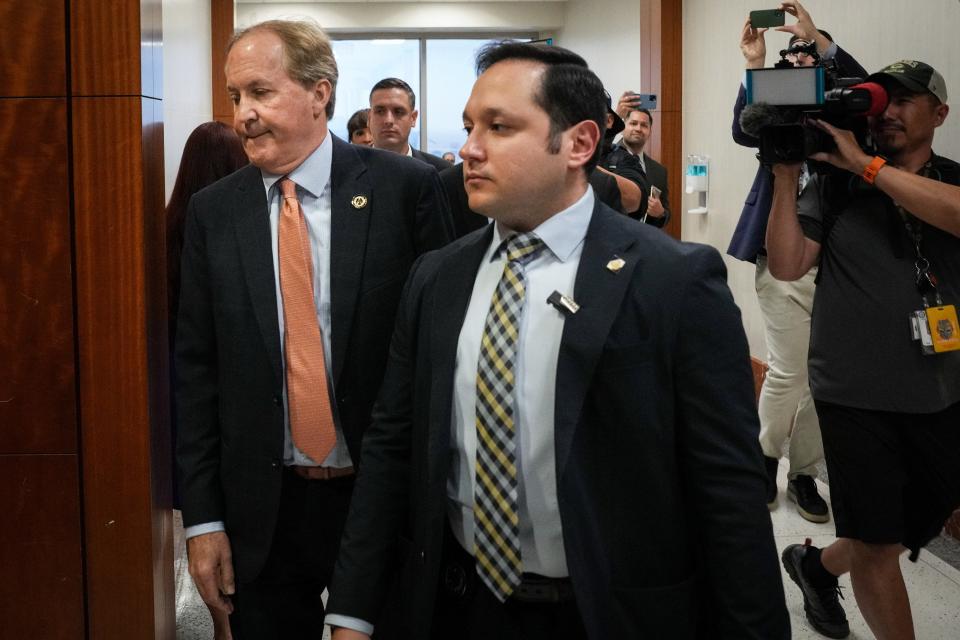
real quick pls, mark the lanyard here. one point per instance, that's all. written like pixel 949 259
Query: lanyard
pixel 925 280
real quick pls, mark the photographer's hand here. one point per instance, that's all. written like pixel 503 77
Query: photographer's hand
pixel 789 253
pixel 787 172
pixel 848 154
pixel 753 46
pixel 935 202
pixel 628 102
pixel 804 27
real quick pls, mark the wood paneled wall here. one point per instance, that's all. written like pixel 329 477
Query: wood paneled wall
pixel 661 73
pixel 84 439
pixel 221 28
pixel 41 593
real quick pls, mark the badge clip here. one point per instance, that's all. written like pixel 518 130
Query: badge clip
pixel 564 305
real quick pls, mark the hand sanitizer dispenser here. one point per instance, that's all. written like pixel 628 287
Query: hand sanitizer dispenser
pixel 698 180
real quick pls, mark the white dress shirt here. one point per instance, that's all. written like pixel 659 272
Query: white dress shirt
pixel 312 178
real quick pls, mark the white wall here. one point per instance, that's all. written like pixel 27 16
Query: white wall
pixel 412 16
pixel 186 77
pixel 607 34
pixel 877 33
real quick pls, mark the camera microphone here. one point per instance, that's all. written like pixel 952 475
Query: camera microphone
pixel 757 116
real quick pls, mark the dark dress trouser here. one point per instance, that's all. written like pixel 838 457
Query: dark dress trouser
pixel 284 600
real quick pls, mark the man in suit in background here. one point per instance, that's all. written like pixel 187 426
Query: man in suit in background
pixel 392 116
pixel 565 444
pixel 292 270
pixel 637 126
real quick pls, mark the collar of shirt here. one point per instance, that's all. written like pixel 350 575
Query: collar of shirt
pixel 409 152
pixel 562 233
pixel 312 175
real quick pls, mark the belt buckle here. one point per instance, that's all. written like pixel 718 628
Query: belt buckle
pixel 543 590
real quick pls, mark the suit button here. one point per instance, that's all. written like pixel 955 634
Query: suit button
pixel 277 400
pixel 275 465
pixel 344 399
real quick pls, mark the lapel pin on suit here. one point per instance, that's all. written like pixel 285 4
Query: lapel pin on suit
pixel 359 202
pixel 616 264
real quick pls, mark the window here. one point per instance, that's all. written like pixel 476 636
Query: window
pixel 363 63
pixel 445 66
pixel 451 71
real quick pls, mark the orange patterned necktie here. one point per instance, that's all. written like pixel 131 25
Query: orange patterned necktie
pixel 308 400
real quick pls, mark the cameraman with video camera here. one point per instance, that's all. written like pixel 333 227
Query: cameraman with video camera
pixel 884 362
pixel 785 407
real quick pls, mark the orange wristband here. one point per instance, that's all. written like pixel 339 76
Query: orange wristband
pixel 871 170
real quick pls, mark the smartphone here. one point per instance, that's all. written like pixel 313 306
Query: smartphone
pixel 767 18
pixel 654 191
pixel 646 101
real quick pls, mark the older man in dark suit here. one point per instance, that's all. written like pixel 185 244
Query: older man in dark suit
pixel 292 271
pixel 565 445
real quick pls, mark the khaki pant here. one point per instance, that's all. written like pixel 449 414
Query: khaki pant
pixel 786 408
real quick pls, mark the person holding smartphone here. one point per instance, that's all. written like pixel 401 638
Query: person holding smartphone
pixel 786 407
pixel 638 122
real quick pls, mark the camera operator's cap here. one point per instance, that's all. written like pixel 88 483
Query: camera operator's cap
pixel 618 125
pixel 915 76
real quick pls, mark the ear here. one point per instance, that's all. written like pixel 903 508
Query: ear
pixel 583 138
pixel 413 116
pixel 322 91
pixel 940 114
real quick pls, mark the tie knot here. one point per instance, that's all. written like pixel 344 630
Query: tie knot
pixel 522 247
pixel 288 188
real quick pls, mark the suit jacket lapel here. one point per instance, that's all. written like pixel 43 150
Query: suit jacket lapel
pixel 452 292
pixel 254 240
pixel 348 242
pixel 599 290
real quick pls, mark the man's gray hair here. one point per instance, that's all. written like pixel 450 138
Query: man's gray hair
pixel 307 53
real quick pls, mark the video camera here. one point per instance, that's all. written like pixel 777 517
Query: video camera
pixel 781 101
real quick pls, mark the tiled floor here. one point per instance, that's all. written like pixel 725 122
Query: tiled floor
pixel 934 585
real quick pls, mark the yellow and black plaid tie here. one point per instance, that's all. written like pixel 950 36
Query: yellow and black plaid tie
pixel 497 531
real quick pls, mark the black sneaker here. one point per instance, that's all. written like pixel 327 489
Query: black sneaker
pixel 821 604
pixel 803 491
pixel 772 464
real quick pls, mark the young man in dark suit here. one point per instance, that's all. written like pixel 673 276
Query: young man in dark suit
pixel 565 445
pixel 292 270
pixel 393 114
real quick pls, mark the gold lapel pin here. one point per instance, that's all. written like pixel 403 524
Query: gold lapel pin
pixel 616 264
pixel 359 202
